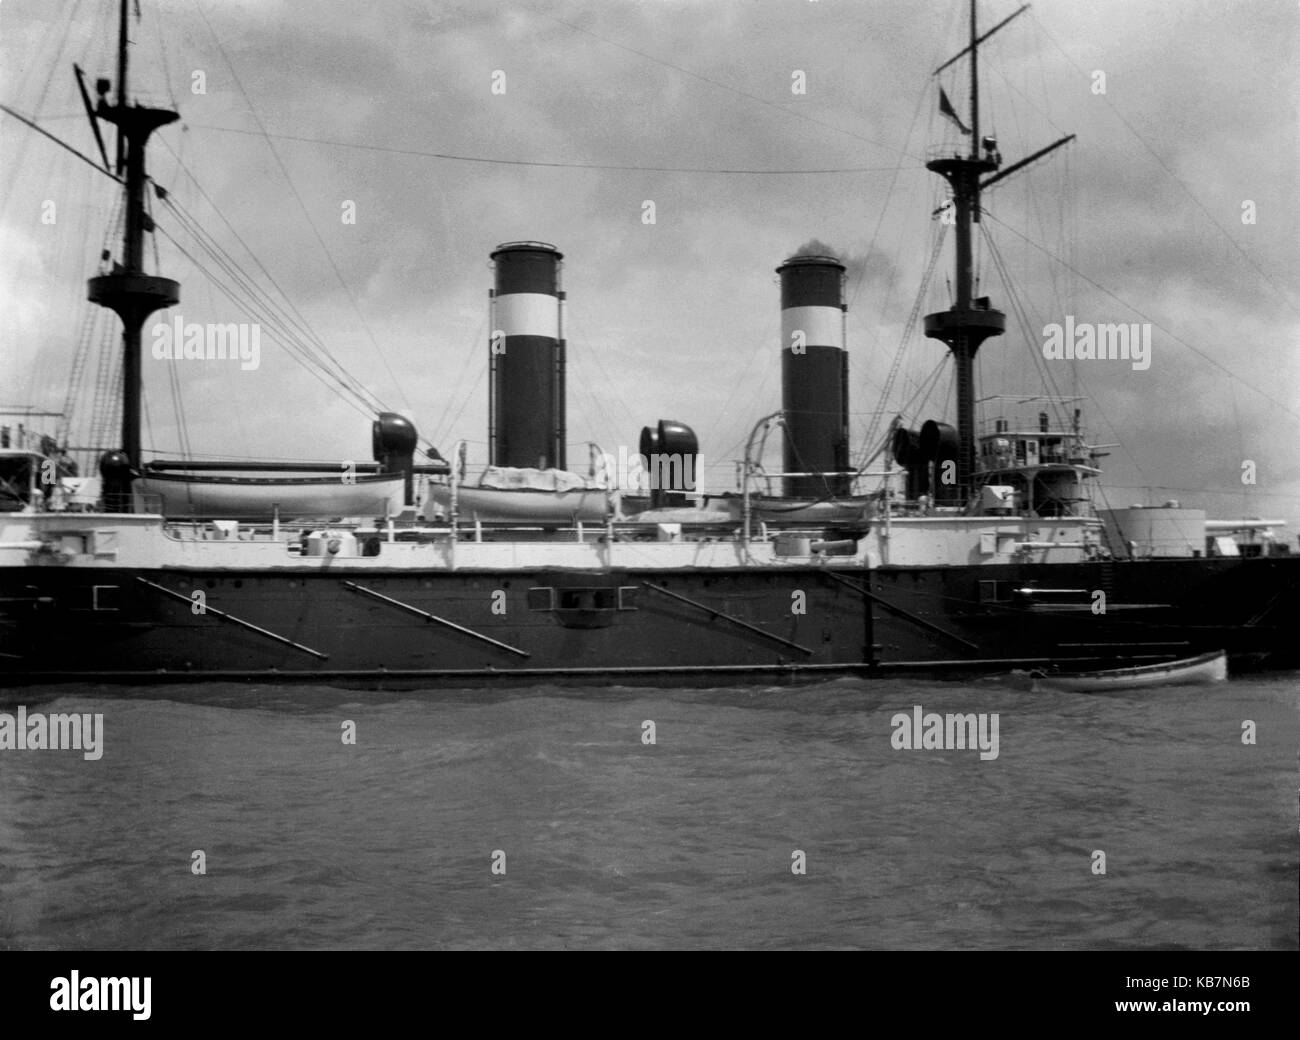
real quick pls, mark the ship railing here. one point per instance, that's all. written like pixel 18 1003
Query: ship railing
pixel 753 460
pixel 373 534
pixel 945 151
pixel 757 472
pixel 459 456
pixel 20 436
pixel 598 465
pixel 1010 427
pixel 856 477
pixel 149 502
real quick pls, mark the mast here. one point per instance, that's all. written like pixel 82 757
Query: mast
pixel 969 322
pixel 121 80
pixel 127 290
pixel 974 85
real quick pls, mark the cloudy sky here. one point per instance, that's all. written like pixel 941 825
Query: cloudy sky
pixel 313 103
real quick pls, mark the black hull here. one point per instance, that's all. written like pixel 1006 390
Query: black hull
pixel 717 626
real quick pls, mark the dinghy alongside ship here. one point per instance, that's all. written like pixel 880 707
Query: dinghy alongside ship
pixel 1205 668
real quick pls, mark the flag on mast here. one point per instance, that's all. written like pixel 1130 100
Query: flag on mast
pixel 945 107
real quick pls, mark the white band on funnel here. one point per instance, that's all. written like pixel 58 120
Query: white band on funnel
pixel 528 314
pixel 821 326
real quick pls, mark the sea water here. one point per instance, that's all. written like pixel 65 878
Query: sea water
pixel 300 817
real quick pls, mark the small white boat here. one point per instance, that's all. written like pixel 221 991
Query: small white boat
pixel 259 498
pixel 507 494
pixel 1207 668
pixel 522 505
pixel 852 509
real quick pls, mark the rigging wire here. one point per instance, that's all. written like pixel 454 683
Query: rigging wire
pixel 59 141
pixel 304 338
pixel 104 398
pixel 1178 339
pixel 194 227
pixel 58 53
pixel 108 405
pixel 887 295
pixel 17 160
pixel 92 315
pixel 1021 311
pixel 255 297
pixel 576 321
pixel 629 168
pixel 162 51
pixel 478 380
pixel 173 378
pixel 303 206
pixel 439 434
pixel 286 338
pixel 1282 293
pixel 909 329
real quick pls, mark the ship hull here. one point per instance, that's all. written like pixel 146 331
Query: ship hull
pixel 135 625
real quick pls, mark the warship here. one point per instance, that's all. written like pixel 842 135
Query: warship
pixel 945 549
